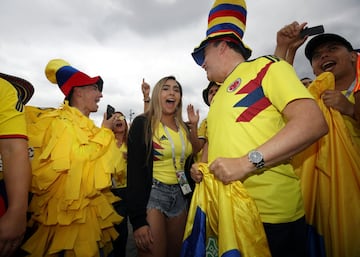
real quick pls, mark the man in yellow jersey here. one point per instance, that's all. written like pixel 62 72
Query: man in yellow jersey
pixel 329 169
pixel 259 118
pixel 15 171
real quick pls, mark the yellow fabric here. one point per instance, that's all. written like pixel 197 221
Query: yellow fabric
pixel 277 191
pixel 202 130
pixel 72 166
pixel 223 219
pixel 163 167
pixel 330 180
pixel 119 177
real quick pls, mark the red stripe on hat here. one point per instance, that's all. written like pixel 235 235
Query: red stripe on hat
pixel 229 31
pixel 227 13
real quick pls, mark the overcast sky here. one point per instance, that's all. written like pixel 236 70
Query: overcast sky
pixel 125 41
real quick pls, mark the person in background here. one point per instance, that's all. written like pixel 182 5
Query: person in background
pixel 15 169
pixel 158 145
pixel 120 130
pixel 145 88
pixel 327 53
pixel 306 81
pixel 357 90
pixel 254 95
pixel 357 104
pixel 199 135
pixel 71 206
pixel 329 169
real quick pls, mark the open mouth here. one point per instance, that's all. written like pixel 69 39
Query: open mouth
pixel 328 65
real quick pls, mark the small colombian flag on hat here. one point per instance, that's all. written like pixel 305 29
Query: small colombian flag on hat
pixel 60 72
pixel 227 20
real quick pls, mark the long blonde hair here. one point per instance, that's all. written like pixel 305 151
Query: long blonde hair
pixel 154 112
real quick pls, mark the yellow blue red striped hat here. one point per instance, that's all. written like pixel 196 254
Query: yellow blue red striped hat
pixel 226 21
pixel 67 77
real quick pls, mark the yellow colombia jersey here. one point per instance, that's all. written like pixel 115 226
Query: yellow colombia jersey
pixel 163 169
pixel 12 117
pixel 245 113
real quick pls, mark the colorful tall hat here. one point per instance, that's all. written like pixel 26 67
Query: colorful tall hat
pixel 226 21
pixel 67 77
pixel 24 88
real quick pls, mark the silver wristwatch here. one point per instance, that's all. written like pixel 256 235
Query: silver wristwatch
pixel 256 158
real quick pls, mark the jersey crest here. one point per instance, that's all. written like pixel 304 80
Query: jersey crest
pixel 234 85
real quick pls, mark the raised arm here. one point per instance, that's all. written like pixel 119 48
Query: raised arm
pixel 145 88
pixel 288 40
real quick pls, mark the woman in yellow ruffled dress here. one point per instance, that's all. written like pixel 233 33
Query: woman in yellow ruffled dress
pixel 72 213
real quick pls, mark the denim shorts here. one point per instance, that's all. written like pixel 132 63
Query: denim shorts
pixel 167 198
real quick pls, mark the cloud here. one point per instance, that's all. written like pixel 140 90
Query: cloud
pixel 125 41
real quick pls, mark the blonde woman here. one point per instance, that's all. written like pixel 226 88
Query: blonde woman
pixel 158 146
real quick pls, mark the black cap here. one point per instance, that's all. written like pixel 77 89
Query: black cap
pixel 324 38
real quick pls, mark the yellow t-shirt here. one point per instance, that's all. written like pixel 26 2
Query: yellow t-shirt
pixel 202 130
pixel 244 115
pixel 163 167
pixel 12 117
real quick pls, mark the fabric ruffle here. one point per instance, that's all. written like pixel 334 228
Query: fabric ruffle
pixel 72 166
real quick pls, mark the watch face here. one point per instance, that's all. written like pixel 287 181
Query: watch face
pixel 255 156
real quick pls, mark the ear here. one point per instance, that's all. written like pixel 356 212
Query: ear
pixel 77 91
pixel 223 46
pixel 354 56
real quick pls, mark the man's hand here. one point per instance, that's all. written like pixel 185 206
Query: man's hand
pixel 12 230
pixel 335 99
pixel 195 173
pixel 228 170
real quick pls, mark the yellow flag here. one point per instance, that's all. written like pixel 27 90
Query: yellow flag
pixel 223 221
pixel 330 179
